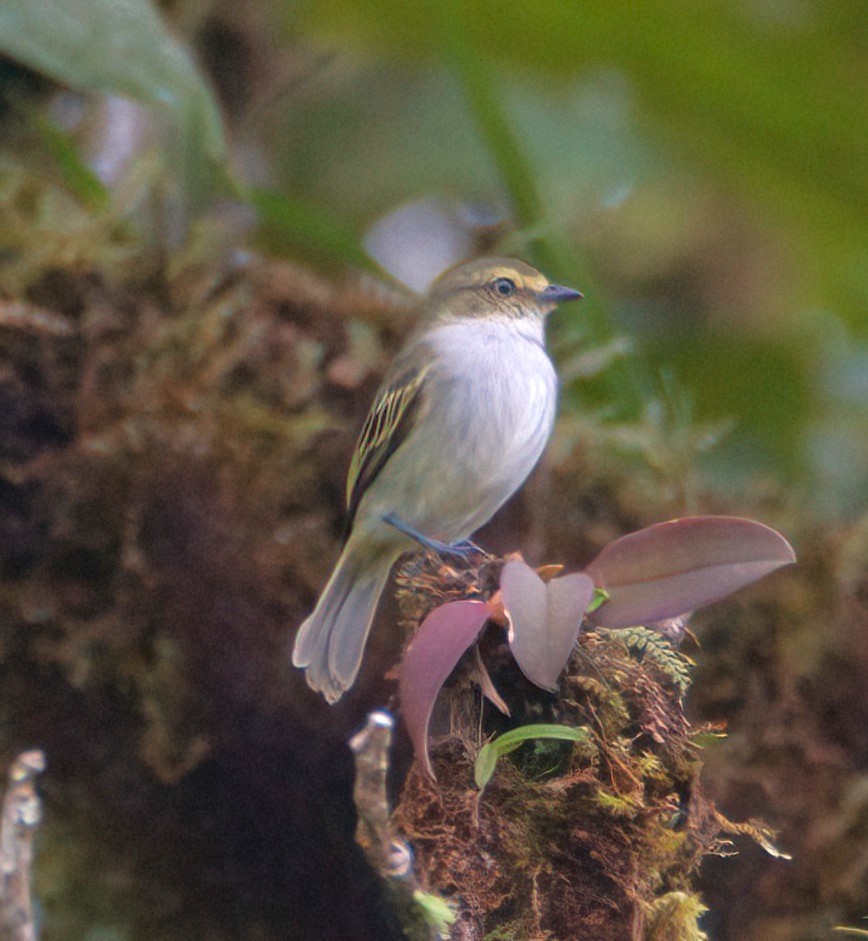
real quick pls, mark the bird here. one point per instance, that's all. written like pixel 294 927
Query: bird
pixel 460 419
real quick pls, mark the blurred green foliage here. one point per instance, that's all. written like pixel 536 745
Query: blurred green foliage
pixel 770 95
pixel 122 47
pixel 699 170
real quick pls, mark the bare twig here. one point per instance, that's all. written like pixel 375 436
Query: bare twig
pixel 389 857
pixel 22 812
pixel 422 916
pixel 31 319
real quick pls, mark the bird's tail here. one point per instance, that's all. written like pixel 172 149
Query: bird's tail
pixel 329 644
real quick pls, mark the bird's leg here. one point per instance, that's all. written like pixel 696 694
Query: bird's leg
pixel 463 548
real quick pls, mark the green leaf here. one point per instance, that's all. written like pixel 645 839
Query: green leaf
pixel 120 47
pixel 600 596
pixel 77 175
pixel 483 100
pixel 486 760
pixel 301 228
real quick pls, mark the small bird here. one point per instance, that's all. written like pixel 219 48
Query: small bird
pixel 460 419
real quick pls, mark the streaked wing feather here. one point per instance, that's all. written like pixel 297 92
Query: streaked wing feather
pixel 389 421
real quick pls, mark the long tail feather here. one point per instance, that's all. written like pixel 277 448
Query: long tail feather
pixel 330 643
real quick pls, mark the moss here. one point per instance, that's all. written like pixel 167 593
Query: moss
pixel 173 442
pixel 567 841
pixel 169 502
pixel 674 917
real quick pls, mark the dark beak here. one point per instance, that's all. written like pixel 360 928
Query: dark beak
pixel 555 294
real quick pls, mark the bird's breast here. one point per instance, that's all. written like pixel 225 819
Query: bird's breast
pixel 499 386
pixel 489 405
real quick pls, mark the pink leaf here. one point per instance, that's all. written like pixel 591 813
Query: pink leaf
pixel 442 638
pixel 672 568
pixel 544 619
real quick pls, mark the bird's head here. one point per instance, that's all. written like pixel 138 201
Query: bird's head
pixel 496 287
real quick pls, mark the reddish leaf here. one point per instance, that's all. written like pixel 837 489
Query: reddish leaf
pixel 544 619
pixel 672 568
pixel 525 601
pixel 429 659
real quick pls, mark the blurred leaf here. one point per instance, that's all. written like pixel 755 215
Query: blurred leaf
pixel 439 644
pixel 543 245
pixel 484 102
pixel 764 382
pixel 671 568
pixel 769 97
pixel 486 760
pixel 120 47
pixel 77 175
pixel 419 240
pixel 308 230
pixel 544 619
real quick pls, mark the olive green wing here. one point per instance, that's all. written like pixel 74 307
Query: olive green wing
pixel 392 416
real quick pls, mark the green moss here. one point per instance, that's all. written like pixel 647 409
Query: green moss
pixel 674 917
pixel 590 839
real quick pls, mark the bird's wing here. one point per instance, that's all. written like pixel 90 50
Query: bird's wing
pixel 392 416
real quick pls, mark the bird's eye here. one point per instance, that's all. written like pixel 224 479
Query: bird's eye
pixel 504 286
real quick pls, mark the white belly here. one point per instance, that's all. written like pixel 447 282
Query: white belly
pixel 492 394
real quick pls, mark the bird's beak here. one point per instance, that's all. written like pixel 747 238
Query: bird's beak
pixel 556 294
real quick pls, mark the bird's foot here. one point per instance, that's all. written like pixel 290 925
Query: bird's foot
pixel 462 548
